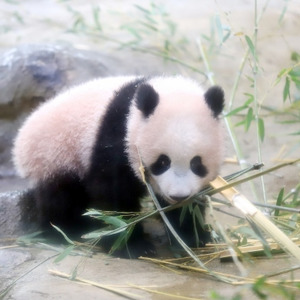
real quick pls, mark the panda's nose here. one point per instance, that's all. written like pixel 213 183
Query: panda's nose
pixel 179 198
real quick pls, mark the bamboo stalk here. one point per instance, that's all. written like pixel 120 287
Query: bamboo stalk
pixel 96 284
pixel 172 296
pixel 250 211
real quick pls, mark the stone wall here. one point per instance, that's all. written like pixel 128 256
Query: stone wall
pixel 33 73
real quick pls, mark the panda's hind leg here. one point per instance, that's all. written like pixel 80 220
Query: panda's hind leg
pixel 60 201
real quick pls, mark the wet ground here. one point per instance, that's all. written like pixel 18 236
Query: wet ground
pixel 31 265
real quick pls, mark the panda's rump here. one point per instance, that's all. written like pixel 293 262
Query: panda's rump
pixel 59 135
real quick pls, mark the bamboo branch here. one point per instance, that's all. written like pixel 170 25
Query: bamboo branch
pixel 96 284
pixel 250 211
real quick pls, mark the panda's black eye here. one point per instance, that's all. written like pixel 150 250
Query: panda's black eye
pixel 161 165
pixel 197 167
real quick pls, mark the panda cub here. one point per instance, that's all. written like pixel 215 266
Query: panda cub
pixel 82 149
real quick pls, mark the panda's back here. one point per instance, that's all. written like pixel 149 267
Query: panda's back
pixel 60 134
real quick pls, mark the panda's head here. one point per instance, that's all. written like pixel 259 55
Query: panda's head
pixel 174 128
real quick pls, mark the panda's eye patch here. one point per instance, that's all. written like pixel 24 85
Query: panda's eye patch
pixel 197 167
pixel 161 165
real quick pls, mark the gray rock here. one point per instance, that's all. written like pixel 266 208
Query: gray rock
pixel 33 73
pixel 10 215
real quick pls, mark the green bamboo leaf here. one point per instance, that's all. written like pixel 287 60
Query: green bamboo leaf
pixel 226 37
pixel 279 201
pixel 219 28
pixel 149 26
pixel 251 79
pixel 261 129
pixel 250 100
pixel 94 235
pixel 133 31
pixel 240 123
pixel 106 231
pixel 198 216
pixel 172 27
pixel 93 212
pixel 286 90
pixel 64 254
pixel 251 47
pixel 74 273
pixel 64 235
pixel 294 75
pixel 182 214
pixel 30 239
pixel 115 221
pixel 249 118
pixel 96 16
pixel 294 71
pixel 282 72
pixel 293 221
pixel 97 234
pixel 295 56
pixel 122 239
pixel 296 133
pixel 236 110
pixel 142 9
pixel 283 12
pixel 296 195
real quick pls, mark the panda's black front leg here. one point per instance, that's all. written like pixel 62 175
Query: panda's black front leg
pixel 115 188
pixel 190 230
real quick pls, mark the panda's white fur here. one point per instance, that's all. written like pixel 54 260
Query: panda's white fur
pixel 60 134
pixel 84 147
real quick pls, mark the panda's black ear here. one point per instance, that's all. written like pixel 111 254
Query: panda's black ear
pixel 214 98
pixel 146 99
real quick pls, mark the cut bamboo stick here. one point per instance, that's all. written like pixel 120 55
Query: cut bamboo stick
pixel 250 211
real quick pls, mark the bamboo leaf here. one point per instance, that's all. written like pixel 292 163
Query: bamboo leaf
pixel 73 275
pixel 249 118
pixel 198 214
pixel 261 129
pixel 96 16
pixel 236 110
pixel 279 201
pixel 251 47
pixel 240 123
pixel 64 235
pixel 226 37
pixel 149 26
pixel 122 239
pixel 182 214
pixel 296 133
pixel 143 9
pixel 282 72
pixel 283 12
pixel 250 99
pixel 286 90
pixel 295 56
pixel 296 194
pixel 64 254
pixel 219 28
pixel 115 221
